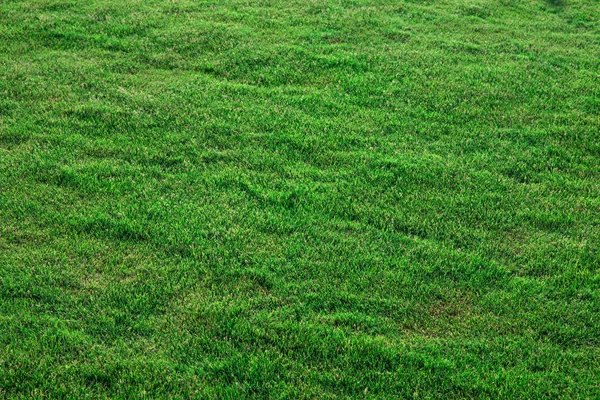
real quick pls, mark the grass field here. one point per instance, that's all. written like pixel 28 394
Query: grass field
pixel 300 199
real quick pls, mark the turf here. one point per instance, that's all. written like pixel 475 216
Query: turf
pixel 299 199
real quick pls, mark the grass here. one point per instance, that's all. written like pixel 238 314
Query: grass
pixel 299 199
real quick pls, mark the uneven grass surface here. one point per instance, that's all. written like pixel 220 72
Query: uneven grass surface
pixel 299 199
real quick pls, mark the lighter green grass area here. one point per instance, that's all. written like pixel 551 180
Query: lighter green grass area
pixel 300 199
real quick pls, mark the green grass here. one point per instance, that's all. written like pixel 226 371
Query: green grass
pixel 300 199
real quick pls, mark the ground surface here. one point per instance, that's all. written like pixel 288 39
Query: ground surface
pixel 299 198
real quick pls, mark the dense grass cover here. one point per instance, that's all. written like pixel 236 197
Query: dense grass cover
pixel 296 198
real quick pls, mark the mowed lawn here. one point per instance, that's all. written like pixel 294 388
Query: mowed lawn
pixel 299 199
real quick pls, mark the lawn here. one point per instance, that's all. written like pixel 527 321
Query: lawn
pixel 299 199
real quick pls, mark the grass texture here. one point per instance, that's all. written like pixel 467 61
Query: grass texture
pixel 299 199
